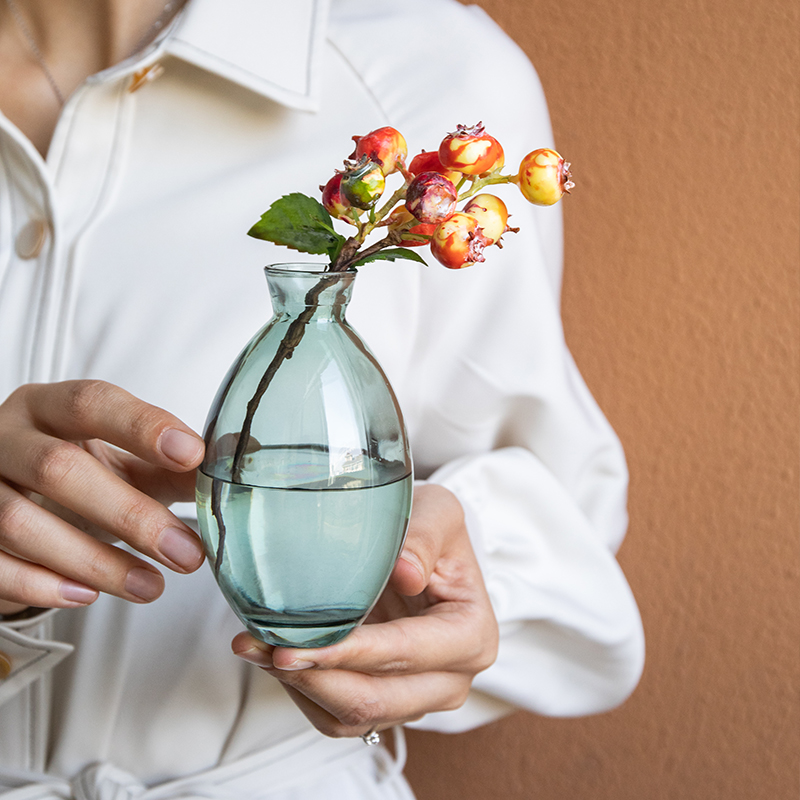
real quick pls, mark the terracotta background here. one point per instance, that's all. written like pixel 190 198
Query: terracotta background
pixel 681 307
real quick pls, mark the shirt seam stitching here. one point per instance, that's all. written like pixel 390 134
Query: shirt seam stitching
pixel 106 187
pixel 360 78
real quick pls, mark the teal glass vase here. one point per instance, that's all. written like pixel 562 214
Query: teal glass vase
pixel 304 494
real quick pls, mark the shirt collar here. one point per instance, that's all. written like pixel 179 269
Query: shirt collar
pixel 272 47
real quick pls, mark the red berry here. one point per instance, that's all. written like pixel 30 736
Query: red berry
pixel 429 162
pixel 544 177
pixel 386 146
pixel 401 216
pixel 431 197
pixel 491 213
pixel 471 151
pixel 333 199
pixel 458 242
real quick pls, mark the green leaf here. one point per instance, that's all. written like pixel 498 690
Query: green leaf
pixel 392 254
pixel 300 223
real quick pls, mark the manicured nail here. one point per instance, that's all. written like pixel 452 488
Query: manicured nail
pixel 180 446
pixel 144 584
pixel 255 655
pixel 297 664
pixel 182 548
pixel 413 559
pixel 77 593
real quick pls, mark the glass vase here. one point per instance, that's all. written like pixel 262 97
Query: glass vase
pixel 304 494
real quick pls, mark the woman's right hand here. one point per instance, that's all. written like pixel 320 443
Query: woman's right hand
pixel 57 463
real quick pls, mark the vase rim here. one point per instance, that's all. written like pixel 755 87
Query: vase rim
pixel 302 268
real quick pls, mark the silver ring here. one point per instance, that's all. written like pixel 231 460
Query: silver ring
pixel 371 737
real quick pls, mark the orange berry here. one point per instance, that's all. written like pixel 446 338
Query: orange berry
pixel 544 177
pixel 386 146
pixel 471 151
pixel 491 213
pixel 458 242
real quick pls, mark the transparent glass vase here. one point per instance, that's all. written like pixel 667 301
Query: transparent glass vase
pixel 304 494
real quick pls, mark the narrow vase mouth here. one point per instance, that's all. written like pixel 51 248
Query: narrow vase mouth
pixel 308 285
pixel 298 268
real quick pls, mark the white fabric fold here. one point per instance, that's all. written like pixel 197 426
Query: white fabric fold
pixel 268 775
pixel 31 653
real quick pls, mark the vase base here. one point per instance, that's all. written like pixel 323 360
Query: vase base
pixel 303 635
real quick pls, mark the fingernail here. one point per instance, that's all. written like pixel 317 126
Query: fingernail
pixel 182 548
pixel 144 584
pixel 77 593
pixel 256 656
pixel 297 664
pixel 413 559
pixel 182 447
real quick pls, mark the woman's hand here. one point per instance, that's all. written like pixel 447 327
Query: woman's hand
pixel 431 632
pixel 53 444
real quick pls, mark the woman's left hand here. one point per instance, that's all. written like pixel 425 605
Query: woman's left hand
pixel 431 632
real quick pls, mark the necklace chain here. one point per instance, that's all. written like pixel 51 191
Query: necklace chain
pixel 155 28
pixel 12 7
pixel 37 53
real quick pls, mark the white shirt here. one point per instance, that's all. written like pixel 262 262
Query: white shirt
pixel 146 279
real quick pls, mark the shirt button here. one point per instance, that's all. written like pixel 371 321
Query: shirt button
pixel 5 666
pixel 31 238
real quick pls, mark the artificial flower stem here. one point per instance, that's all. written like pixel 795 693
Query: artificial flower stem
pixel 399 195
pixel 487 181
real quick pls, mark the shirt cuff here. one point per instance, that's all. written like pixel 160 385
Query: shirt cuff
pixel 26 652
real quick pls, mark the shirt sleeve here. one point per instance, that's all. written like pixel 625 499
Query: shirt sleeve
pixel 509 426
pixel 500 414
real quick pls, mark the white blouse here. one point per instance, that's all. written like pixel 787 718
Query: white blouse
pixel 140 273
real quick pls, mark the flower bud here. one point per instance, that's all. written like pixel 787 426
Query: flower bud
pixel 385 146
pixel 431 197
pixel 458 242
pixel 544 177
pixel 471 151
pixel 363 183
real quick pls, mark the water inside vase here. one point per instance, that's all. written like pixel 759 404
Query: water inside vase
pixel 304 561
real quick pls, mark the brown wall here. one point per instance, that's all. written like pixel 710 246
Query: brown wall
pixel 681 306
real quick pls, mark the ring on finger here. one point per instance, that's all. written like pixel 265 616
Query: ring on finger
pixel 371 737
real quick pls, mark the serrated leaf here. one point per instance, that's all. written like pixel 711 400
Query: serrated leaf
pixel 300 223
pixel 392 254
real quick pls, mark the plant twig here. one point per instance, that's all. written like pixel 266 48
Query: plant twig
pixel 285 351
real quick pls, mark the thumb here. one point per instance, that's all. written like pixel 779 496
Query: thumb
pixel 436 518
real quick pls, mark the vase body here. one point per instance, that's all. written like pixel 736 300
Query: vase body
pixel 304 494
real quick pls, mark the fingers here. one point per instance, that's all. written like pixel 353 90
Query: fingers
pixel 47 562
pixel 31 585
pixel 39 425
pixel 165 485
pixel 68 475
pixel 434 630
pixel 78 410
pixel 348 704
pixel 161 484
pixel 435 529
pixel 341 702
pixel 455 637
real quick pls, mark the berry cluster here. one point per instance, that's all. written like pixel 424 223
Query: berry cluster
pixel 424 209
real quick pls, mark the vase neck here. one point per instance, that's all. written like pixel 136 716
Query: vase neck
pixel 294 291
